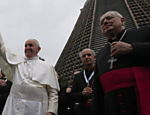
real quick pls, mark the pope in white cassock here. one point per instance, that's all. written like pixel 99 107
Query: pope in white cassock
pixel 35 84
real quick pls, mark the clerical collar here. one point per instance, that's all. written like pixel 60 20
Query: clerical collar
pixel 33 58
pixel 118 36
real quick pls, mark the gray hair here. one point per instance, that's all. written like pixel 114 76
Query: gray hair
pixel 36 41
pixel 92 51
pixel 114 13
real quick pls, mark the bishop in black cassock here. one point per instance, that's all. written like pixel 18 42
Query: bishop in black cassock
pixel 122 80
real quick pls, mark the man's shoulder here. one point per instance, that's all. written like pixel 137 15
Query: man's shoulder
pixel 103 50
pixel 45 63
pixel 141 29
pixel 78 75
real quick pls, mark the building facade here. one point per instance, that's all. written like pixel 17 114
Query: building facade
pixel 86 32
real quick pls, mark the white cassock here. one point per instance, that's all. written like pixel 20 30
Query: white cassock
pixel 35 85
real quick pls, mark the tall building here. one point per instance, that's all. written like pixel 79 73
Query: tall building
pixel 86 32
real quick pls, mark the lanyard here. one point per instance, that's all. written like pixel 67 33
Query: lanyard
pixel 87 80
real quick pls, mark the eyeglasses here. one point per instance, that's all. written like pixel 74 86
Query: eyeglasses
pixel 87 55
pixel 30 45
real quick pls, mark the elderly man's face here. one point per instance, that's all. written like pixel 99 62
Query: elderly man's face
pixel 31 48
pixel 87 57
pixel 111 24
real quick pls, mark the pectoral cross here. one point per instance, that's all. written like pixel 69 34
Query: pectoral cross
pixel 111 61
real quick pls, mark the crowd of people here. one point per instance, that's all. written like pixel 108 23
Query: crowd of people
pixel 116 81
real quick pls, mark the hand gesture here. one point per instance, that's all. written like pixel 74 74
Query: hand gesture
pixel 120 48
pixel 87 91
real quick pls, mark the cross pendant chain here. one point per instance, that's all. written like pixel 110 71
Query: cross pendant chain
pixel 111 61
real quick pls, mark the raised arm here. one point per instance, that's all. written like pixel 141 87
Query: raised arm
pixel 4 65
pixel 2 49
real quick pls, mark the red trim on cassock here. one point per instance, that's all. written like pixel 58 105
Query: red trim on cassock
pixel 127 77
pixel 117 79
pixel 142 77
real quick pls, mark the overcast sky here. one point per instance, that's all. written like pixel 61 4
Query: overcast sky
pixel 49 21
